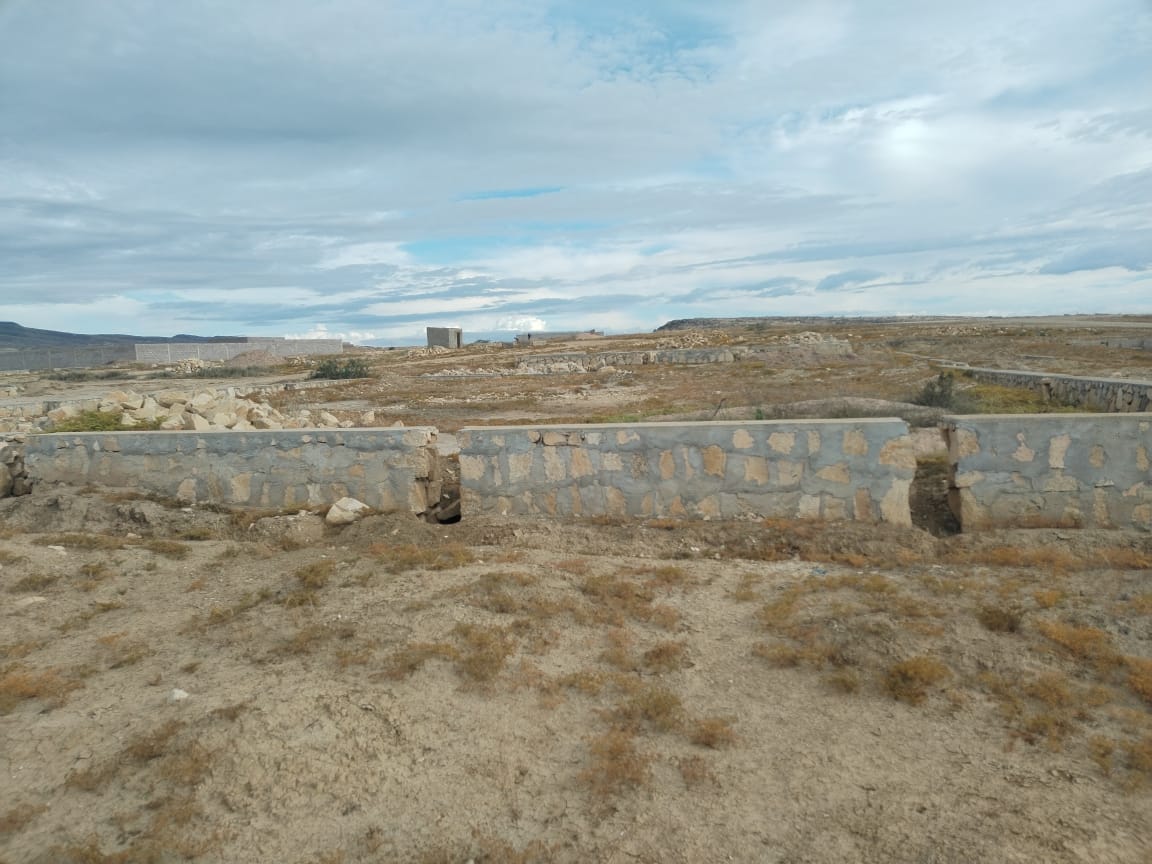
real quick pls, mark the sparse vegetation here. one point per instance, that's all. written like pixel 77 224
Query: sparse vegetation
pixel 339 369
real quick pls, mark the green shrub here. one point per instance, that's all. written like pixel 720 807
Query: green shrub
pixel 938 393
pixel 331 367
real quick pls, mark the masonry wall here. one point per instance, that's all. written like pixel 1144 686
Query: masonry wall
pixel 679 356
pixel 1044 470
pixel 823 469
pixel 388 469
pixel 171 352
pixel 1099 394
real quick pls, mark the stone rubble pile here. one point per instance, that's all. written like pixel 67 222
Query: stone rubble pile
pixel 13 478
pixel 203 410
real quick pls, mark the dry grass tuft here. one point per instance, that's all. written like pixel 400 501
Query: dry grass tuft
pixel 1084 643
pixel 666 657
pixel 32 582
pixel 315 576
pixel 19 684
pixel 410 556
pixel 19 817
pixel 695 772
pixel 999 619
pixel 843 680
pixel 167 548
pixel 1140 677
pixel 409 659
pixel 615 764
pixel 713 732
pixel 654 706
pixel 483 652
pixel 909 680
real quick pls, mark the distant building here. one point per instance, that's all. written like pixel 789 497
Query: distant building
pixel 445 337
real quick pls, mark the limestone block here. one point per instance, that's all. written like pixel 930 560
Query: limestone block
pixel 967 479
pixel 899 452
pixel 756 470
pixel 581 465
pixel 894 507
pixel 813 442
pixel 1142 457
pixel 789 473
pixel 346 511
pixel 554 468
pixel 202 401
pixel 809 507
pixel 837 473
pixel 610 461
pixel 1058 450
pixel 1060 483
pixel 64 412
pixel 519 467
pixel 782 442
pixel 168 398
pixel 708 508
pixel 667 465
pixel 855 443
pixel 1097 456
pixel 196 423
pixel 741 440
pixel 715 460
pixel 328 419
pixel 172 423
pixel 554 439
pixel 862 506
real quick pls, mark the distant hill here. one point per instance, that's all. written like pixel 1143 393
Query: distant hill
pixel 14 337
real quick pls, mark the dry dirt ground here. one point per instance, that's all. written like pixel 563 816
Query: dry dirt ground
pixel 190 684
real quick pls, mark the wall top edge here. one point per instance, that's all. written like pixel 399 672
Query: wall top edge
pixel 309 430
pixel 705 424
pixel 1054 417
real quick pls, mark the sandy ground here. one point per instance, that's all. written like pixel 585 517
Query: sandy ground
pixel 523 691
pixel 186 684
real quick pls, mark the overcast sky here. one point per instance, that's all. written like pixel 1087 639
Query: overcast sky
pixel 367 168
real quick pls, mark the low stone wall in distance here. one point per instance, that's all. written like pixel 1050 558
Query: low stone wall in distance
pixel 1119 395
pixel 1051 470
pixel 591 362
pixel 387 469
pixel 820 469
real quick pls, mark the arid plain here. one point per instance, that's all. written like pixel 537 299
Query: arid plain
pixel 193 683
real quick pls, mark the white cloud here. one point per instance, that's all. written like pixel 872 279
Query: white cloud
pixel 321 331
pixel 523 324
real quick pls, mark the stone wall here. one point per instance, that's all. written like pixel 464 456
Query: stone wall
pixel 171 352
pixel 387 469
pixel 591 362
pixel 1044 470
pixel 822 469
pixel 1099 394
pixel 63 357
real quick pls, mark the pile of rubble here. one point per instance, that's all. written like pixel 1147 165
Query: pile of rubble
pixel 430 351
pixel 204 409
pixel 695 339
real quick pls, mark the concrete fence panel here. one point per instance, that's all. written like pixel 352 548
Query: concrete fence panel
pixel 1051 470
pixel 821 469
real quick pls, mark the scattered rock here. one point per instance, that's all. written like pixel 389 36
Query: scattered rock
pixel 346 511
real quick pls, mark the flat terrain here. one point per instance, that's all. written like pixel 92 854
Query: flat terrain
pixel 189 684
